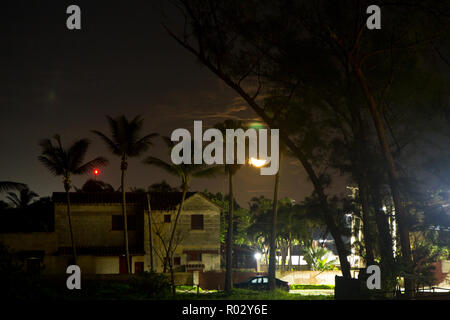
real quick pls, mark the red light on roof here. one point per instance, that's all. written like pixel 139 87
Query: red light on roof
pixel 96 172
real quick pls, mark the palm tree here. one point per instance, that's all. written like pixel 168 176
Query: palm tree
pixel 10 185
pixel 231 170
pixel 126 142
pixel 24 199
pixel 67 162
pixel 185 172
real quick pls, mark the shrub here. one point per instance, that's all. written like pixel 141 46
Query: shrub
pixel 151 284
pixel 319 259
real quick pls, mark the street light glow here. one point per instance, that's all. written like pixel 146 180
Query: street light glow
pixel 258 163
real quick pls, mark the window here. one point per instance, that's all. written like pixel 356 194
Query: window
pixel 33 265
pixel 194 257
pixel 197 222
pixel 167 218
pixel 117 223
pixel 254 280
pixel 265 280
pixel 176 261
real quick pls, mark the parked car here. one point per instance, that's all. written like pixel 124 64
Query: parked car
pixel 261 283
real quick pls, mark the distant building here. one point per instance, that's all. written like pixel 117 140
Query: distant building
pixel 97 223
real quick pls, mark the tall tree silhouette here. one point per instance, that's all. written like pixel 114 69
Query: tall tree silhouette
pixel 230 170
pixel 66 163
pixel 126 142
pixel 185 172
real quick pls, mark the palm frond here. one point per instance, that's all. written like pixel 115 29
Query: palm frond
pixel 142 145
pixel 10 185
pixel 89 166
pixel 54 167
pixel 205 172
pixel 124 137
pixel 169 143
pixel 113 147
pixel 76 153
pixel 12 197
pixel 168 167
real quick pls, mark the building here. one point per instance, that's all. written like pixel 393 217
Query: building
pixel 97 224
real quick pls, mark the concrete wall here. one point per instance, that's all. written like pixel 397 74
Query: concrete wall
pixel 89 264
pixel 308 277
pixel 92 225
pixel 43 241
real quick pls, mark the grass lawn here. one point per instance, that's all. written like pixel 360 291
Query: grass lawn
pixel 310 286
pixel 132 290
pixel 243 294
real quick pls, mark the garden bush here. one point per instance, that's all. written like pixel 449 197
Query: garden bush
pixel 151 284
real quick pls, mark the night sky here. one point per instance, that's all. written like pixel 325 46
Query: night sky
pixel 54 80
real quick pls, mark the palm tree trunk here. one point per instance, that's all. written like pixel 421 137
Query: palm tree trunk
pixel 172 235
pixel 290 253
pixel 229 244
pixel 273 235
pixel 393 177
pixel 150 230
pixel 74 251
pixel 124 213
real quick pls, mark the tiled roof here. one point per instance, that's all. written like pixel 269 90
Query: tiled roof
pixel 159 200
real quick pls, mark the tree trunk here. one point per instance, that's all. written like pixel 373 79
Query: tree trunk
pixel 74 251
pixel 283 255
pixel 368 239
pixel 393 176
pixel 172 235
pixel 385 236
pixel 150 230
pixel 172 280
pixel 124 213
pixel 229 244
pixel 273 234
pixel 290 253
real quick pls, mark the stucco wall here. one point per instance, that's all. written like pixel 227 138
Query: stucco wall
pixel 92 225
pixel 44 241
pixel 308 277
